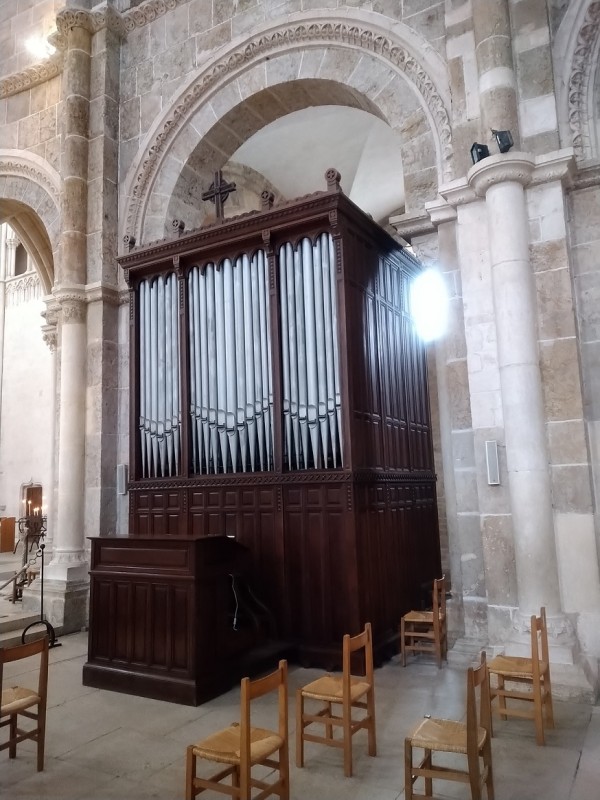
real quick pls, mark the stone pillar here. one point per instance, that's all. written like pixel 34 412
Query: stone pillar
pixel 497 83
pixel 67 582
pixel 501 180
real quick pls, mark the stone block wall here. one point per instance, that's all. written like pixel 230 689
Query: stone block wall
pixel 22 19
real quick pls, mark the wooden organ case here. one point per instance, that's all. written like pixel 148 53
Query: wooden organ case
pixel 279 396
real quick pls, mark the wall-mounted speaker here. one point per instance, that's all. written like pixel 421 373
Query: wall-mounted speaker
pixel 491 460
pixel 121 478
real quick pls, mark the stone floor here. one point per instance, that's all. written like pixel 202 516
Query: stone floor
pixel 106 746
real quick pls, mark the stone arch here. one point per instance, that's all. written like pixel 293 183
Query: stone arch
pixel 30 195
pixel 577 56
pixel 382 69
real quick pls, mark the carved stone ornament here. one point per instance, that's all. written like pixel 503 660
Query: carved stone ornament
pixel 580 111
pixel 291 35
pixel 72 308
pixel 147 12
pixel 49 336
pixel 91 21
pixel 517 168
pixel 32 76
pixel 34 169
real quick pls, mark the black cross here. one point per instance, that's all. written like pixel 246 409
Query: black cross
pixel 218 192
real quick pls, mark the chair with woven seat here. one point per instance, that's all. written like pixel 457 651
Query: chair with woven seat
pixel 346 691
pixel 528 681
pixel 471 739
pixel 240 747
pixel 22 702
pixel 425 631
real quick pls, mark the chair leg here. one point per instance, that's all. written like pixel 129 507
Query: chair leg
pixel 245 791
pixel 438 652
pixel 284 772
pixel 487 764
pixel 402 647
pixel 408 765
pixel 427 763
pixel 501 698
pixel 538 715
pixel 299 729
pixel 548 701
pixel 41 740
pixel 328 725
pixel 12 733
pixel 190 773
pixel 371 729
pixel 347 727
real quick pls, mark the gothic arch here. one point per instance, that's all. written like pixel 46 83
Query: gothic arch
pixel 30 195
pixel 576 55
pixel 382 68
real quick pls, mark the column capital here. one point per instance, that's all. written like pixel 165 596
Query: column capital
pixel 501 168
pixel 72 302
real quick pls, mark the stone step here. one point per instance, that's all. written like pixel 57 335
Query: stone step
pixel 465 652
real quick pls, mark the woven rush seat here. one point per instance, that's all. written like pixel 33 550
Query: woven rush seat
pixel 445 735
pixel 330 689
pixel 225 745
pixel 18 698
pixel 516 666
pixel 426 617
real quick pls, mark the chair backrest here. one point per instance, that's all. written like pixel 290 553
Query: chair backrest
pixel 20 651
pixel 252 689
pixel 439 600
pixel 539 642
pixel 352 644
pixel 478 684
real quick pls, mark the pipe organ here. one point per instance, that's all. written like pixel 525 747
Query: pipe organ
pixel 279 398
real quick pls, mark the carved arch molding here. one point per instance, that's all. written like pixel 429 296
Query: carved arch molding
pixel 294 35
pixel 30 200
pixel 581 78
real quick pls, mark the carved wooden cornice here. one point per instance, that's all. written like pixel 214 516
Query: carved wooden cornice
pixel 32 76
pixel 290 35
pixel 579 81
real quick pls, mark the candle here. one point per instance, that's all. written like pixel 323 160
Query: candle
pixel 29 504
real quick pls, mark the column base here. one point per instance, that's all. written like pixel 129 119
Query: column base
pixel 574 677
pixel 65 602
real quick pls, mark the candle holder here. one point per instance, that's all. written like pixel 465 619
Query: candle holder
pixel 42 620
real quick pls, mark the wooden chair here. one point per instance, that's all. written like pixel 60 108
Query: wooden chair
pixel 425 631
pixel 529 680
pixel 471 739
pixel 345 690
pixel 242 747
pixel 18 701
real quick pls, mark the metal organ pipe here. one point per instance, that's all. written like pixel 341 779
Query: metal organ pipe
pixel 159 420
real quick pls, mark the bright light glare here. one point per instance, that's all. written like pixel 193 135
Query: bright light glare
pixel 429 305
pixel 39 47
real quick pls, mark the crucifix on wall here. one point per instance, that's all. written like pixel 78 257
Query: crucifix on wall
pixel 218 192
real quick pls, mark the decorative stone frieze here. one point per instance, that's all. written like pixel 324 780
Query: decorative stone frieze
pixel 147 12
pixel 579 96
pixel 32 76
pixel 292 35
pixel 91 21
pixel 101 293
pixel 22 289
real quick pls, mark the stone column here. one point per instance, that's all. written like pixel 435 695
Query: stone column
pixel 67 572
pixel 497 83
pixel 501 180
pixel 3 273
